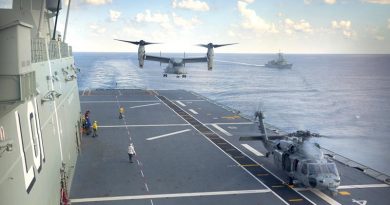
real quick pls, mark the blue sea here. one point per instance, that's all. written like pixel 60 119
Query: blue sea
pixel 345 97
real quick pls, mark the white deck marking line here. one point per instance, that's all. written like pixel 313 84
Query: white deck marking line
pixel 222 130
pixel 147 188
pixel 180 103
pixel 142 173
pixel 159 196
pixel 230 123
pixel 324 197
pixel 193 111
pixel 253 150
pixel 138 106
pixel 151 202
pixel 363 186
pixel 358 186
pixel 156 125
pixel 169 134
pixel 109 101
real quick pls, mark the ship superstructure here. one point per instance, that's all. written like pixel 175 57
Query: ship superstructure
pixel 39 105
pixel 280 62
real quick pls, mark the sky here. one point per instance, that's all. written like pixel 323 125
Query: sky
pixel 259 26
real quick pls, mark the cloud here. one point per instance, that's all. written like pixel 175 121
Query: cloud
pixel 184 23
pixel 252 21
pixel 344 26
pixel 159 18
pixel 307 1
pixel 300 26
pixel 96 2
pixel 96 29
pixel 114 15
pixel 378 1
pixel 330 1
pixel 194 5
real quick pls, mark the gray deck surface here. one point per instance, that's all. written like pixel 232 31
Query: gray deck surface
pixel 187 167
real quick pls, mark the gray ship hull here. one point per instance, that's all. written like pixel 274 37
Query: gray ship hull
pixel 188 152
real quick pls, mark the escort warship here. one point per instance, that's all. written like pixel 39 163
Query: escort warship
pixel 188 148
pixel 280 62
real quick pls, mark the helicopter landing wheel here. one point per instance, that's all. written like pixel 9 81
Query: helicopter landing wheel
pixel 165 75
pixel 290 181
pixel 183 76
pixel 178 76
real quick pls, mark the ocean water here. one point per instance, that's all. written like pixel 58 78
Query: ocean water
pixel 345 97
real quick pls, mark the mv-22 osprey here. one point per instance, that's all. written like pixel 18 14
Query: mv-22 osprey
pixel 302 159
pixel 175 65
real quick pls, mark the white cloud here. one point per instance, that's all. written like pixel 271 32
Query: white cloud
pixel 330 1
pixel 184 23
pixel 194 5
pixel 96 2
pixel 307 1
pixel 252 21
pixel 96 29
pixel 299 26
pixel 149 17
pixel 345 26
pixel 248 1
pixel 378 1
pixel 114 15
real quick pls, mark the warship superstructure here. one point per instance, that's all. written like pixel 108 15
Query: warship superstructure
pixel 39 106
pixel 280 62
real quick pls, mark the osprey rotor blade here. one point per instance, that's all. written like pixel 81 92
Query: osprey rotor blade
pixel 203 45
pixel 148 43
pixel 220 45
pixel 133 42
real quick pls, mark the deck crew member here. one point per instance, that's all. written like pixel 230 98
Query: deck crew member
pixel 121 111
pixel 94 128
pixel 131 152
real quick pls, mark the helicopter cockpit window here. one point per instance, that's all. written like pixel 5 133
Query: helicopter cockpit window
pixel 332 168
pixel 328 168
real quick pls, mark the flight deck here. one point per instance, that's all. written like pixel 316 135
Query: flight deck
pixel 188 152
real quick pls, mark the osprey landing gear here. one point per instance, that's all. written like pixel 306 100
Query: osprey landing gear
pixel 184 76
pixel 165 75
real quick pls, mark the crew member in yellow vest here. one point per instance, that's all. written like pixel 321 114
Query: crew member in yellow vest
pixel 121 111
pixel 94 128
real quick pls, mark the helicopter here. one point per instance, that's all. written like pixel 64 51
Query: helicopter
pixel 302 160
pixel 175 65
